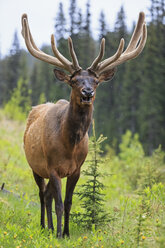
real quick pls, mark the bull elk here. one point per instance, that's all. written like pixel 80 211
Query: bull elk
pixel 56 135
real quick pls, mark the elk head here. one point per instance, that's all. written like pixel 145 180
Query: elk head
pixel 85 82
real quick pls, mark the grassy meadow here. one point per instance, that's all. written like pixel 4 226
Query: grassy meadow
pixel 134 198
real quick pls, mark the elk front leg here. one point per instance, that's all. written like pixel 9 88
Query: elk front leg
pixel 55 182
pixel 41 184
pixel 70 185
pixel 48 200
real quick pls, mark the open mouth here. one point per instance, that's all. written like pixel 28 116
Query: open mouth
pixel 86 100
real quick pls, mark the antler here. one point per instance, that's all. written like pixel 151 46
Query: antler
pixel 60 61
pixel 134 48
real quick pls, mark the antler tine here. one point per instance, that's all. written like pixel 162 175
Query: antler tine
pixel 24 16
pixel 59 56
pixel 73 55
pixel 95 63
pixel 100 66
pixel 60 61
pixel 110 60
pixel 132 51
pixel 137 32
pixel 74 66
pixel 131 55
pixel 32 47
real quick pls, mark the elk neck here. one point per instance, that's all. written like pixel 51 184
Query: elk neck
pixel 77 122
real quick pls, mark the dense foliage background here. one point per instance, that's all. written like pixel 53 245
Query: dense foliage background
pixel 134 100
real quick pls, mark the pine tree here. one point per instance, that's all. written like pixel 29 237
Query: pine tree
pixel 87 26
pixel 60 31
pixel 120 26
pixel 105 97
pixel 110 95
pixel 24 71
pixel 73 17
pixel 130 97
pixel 11 69
pixel 121 32
pixel 152 103
pixel 36 89
pixel 103 28
pixel 60 24
pixel 80 23
pixel 91 192
pixel 88 44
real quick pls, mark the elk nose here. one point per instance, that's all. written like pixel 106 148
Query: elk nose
pixel 88 92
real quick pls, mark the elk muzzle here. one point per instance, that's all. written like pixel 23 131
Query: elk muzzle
pixel 87 95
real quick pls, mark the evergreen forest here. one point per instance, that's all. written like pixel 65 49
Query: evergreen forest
pixel 134 100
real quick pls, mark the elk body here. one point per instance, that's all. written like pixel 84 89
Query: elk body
pixel 56 135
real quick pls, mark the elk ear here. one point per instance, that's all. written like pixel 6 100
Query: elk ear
pixel 62 76
pixel 107 75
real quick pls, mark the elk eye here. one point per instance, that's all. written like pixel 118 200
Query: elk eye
pixel 73 82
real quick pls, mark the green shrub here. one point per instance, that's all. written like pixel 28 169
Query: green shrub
pixel 132 158
pixel 19 104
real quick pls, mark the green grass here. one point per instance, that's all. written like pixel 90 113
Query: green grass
pixel 134 194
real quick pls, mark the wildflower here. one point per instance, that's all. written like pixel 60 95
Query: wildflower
pixel 143 237
pixel 121 242
pixel 5 233
pixel 23 240
pixel 15 235
pixel 30 237
pixel 85 237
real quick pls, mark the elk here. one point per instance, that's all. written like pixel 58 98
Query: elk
pixel 56 135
